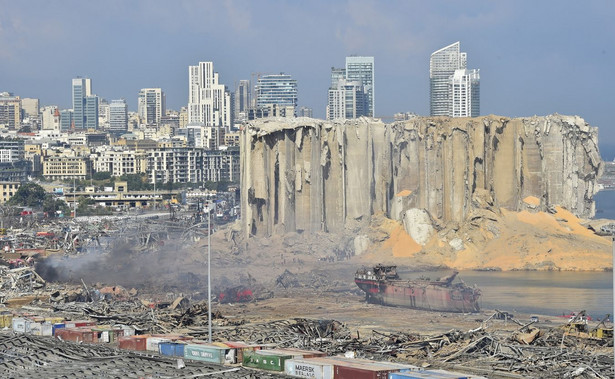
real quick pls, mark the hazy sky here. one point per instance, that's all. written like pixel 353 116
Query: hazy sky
pixel 535 57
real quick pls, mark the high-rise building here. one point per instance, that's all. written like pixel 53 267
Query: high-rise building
pixel 444 76
pixel 347 100
pixel 242 100
pixel 10 111
pixel 31 111
pixel 51 118
pixel 151 105
pixel 464 93
pixel 118 116
pixel 90 111
pixel 209 102
pixel 82 88
pixel 361 69
pixel 66 119
pixel 276 91
pixel 103 114
pixel 305 112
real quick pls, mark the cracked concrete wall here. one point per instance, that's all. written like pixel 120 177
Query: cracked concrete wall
pixel 310 175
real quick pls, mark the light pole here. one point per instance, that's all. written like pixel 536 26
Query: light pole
pixel 209 270
pixel 74 199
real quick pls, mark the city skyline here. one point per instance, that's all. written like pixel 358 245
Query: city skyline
pixel 532 62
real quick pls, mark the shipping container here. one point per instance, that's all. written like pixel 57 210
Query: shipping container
pixel 299 353
pixel 265 360
pixel 108 334
pixel 152 343
pixel 56 327
pixel 6 321
pixel 18 324
pixel 348 368
pixel 128 330
pixel 172 349
pixel 401 367
pixel 83 334
pixel 352 371
pixel 428 374
pixel 239 348
pixel 37 328
pixel 174 337
pixel 54 320
pixel 206 353
pixel 79 323
pixel 305 368
pixel 33 327
pixel 133 342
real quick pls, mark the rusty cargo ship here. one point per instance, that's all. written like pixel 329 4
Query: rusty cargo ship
pixel 382 285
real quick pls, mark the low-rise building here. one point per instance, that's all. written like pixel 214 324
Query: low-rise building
pixel 64 167
pixel 8 190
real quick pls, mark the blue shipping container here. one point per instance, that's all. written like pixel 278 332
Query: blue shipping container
pixel 172 349
pixel 55 327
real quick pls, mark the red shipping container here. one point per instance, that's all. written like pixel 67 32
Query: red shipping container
pixel 82 323
pixel 77 335
pixel 173 337
pixel 138 343
pixel 358 372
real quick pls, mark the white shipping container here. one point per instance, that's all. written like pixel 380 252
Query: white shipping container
pixel 128 330
pixel 19 325
pixel 46 329
pixel 301 368
pixel 34 328
pixel 151 344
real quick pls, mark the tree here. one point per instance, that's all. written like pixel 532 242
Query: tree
pixel 136 182
pixel 28 195
pixel 103 175
pixel 51 205
pixel 84 207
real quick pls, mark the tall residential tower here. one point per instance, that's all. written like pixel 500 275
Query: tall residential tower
pixel 276 90
pixel 209 103
pixel 85 105
pixel 151 106
pixel 453 90
pixel 361 69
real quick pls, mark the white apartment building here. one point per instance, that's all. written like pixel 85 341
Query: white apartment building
pixel 51 118
pixel 176 165
pixel 454 90
pixel 464 93
pixel 151 105
pixel 347 100
pixel 119 162
pixel 209 102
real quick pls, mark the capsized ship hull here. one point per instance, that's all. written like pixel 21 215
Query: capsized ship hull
pixel 382 285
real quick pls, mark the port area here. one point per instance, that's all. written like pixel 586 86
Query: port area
pixel 144 282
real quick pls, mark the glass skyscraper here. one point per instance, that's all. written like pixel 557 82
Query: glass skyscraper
pixel 453 90
pixel 82 88
pixel 118 116
pixel 361 69
pixel 277 89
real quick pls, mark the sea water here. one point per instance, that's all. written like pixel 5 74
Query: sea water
pixel 552 293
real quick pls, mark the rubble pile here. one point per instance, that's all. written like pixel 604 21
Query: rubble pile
pixel 143 316
pixel 27 356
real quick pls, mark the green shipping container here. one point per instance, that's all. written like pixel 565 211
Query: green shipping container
pixel 264 360
pixel 204 353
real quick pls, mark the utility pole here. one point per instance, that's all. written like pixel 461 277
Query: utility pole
pixel 209 270
pixel 74 199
